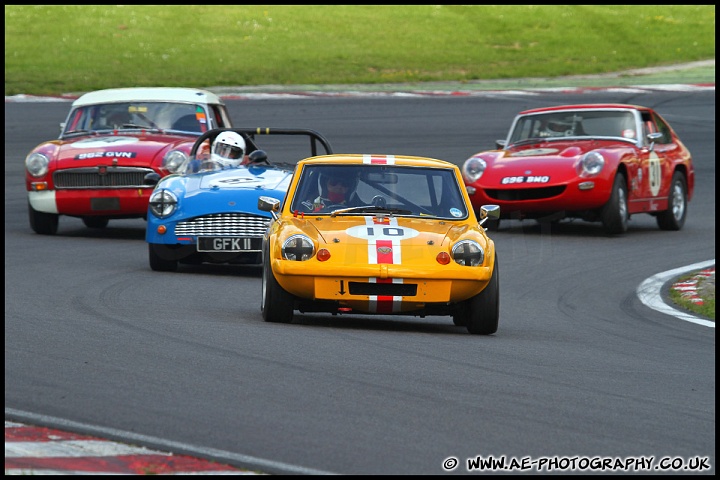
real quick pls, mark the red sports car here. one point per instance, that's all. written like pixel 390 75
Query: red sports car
pixel 109 142
pixel 597 162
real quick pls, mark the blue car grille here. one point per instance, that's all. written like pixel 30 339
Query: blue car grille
pixel 221 224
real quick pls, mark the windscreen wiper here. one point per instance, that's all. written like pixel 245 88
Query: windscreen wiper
pixel 371 209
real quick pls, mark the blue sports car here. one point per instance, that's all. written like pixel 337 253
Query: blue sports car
pixel 207 213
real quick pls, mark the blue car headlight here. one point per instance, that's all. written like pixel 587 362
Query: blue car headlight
pixel 163 203
pixel 468 253
pixel 299 248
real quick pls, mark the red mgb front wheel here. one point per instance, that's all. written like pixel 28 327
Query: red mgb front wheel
pixel 43 223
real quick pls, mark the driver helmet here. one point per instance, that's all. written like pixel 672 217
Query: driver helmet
pixel 337 187
pixel 228 149
pixel 556 126
pixel 114 116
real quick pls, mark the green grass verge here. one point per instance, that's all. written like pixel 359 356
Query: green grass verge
pixel 707 309
pixel 74 48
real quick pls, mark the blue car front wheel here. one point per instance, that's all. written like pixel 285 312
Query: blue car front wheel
pixel 157 262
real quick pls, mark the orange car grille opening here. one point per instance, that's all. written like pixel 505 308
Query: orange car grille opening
pixel 383 289
pixel 525 193
pixel 231 224
pixel 99 179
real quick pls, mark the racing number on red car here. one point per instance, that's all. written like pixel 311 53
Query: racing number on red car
pixel 654 173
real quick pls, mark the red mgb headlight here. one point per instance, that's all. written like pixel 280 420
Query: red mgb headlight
pixel 37 164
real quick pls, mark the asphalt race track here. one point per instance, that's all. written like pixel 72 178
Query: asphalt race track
pixel 579 368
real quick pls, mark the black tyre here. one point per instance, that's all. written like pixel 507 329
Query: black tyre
pixel 460 320
pixel 277 305
pixel 674 217
pixel 43 223
pixel 95 222
pixel 614 215
pixel 481 313
pixel 158 263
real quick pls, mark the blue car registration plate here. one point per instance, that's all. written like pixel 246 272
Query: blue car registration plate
pixel 229 244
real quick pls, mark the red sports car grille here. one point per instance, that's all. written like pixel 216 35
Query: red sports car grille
pixel 101 178
pixel 525 193
pixel 383 289
pixel 231 224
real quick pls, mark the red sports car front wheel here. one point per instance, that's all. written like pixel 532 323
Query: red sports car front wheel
pixel 674 217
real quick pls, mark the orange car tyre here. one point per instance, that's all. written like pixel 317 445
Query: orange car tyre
pixel 277 304
pixel 674 217
pixel 614 214
pixel 481 313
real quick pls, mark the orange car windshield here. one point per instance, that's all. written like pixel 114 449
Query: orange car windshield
pixel 369 189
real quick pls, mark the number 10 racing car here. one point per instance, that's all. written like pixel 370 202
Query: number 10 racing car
pixel 379 234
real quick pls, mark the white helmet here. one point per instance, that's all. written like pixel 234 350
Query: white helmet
pixel 228 149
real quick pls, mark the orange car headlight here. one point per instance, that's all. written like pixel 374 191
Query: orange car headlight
pixel 468 253
pixel 298 248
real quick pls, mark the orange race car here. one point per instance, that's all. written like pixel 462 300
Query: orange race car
pixel 379 234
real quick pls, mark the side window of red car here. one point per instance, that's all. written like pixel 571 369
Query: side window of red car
pixel 648 126
pixel 663 128
pixel 220 118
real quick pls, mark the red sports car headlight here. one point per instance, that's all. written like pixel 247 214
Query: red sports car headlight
pixel 473 169
pixel 591 164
